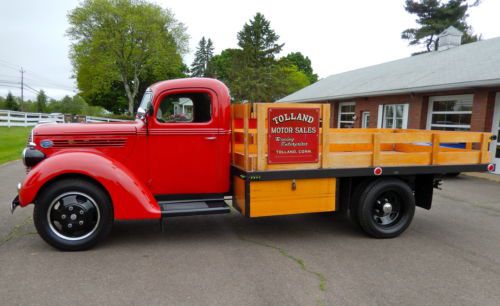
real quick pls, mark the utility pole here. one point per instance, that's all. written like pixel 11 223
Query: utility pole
pixel 22 84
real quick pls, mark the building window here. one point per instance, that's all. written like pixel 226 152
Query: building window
pixel 365 120
pixel 450 113
pixel 393 116
pixel 346 114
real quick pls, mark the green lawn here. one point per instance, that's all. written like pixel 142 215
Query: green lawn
pixel 12 142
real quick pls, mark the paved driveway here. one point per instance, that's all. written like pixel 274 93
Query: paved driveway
pixel 450 255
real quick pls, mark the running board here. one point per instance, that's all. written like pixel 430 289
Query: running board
pixel 178 209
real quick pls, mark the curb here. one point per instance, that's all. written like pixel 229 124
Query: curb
pixel 485 176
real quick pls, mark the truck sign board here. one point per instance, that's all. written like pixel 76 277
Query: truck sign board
pixel 293 135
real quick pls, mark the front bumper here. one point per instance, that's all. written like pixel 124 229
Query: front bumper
pixel 14 204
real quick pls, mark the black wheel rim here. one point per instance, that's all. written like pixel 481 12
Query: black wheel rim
pixel 387 209
pixel 73 216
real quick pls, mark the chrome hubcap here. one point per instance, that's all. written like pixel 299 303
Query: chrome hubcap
pixel 387 209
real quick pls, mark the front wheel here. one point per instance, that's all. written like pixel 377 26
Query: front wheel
pixel 73 214
pixel 385 208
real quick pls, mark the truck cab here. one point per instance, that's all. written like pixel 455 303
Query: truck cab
pixel 188 131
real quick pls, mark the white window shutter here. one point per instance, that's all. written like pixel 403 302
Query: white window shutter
pixel 380 116
pixel 406 109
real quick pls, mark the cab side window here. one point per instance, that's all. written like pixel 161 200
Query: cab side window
pixel 185 107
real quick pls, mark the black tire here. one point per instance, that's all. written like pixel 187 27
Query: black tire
pixel 80 195
pixel 379 221
pixel 356 195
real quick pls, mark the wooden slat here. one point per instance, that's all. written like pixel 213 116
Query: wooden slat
pixel 351 138
pixel 350 159
pixel 446 137
pixel 376 150
pixel 405 137
pixel 399 158
pixel 238 111
pixel 325 135
pixel 459 158
pixel 435 148
pixel 246 119
pixel 485 154
pixel 261 136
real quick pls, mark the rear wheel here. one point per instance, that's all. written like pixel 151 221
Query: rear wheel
pixel 385 208
pixel 73 214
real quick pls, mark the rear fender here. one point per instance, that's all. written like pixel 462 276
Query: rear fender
pixel 131 198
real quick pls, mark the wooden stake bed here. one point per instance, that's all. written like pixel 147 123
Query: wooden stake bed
pixel 353 148
pixel 262 187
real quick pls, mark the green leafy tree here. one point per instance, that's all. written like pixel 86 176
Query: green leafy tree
pixel 224 65
pixel 125 41
pixel 41 101
pixel 202 59
pixel 11 103
pixel 433 17
pixel 303 64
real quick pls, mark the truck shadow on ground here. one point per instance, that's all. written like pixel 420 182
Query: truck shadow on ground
pixel 205 228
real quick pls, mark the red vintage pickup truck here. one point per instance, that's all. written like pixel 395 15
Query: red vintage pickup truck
pixel 189 150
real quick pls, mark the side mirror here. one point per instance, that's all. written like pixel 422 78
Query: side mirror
pixel 142 114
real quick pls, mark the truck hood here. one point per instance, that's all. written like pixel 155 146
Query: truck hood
pixel 62 129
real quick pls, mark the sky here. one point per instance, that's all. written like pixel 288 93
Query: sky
pixel 337 36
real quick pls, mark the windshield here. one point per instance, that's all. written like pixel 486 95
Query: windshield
pixel 146 101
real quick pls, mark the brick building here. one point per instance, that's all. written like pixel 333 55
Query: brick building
pixel 456 87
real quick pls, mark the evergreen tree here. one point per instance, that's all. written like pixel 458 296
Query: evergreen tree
pixel 258 41
pixel 11 103
pixel 41 102
pixel 202 58
pixel 434 16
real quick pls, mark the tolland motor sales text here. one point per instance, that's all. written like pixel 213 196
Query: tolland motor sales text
pixel 293 117
pixel 291 130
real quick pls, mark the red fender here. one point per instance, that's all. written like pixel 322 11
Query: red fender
pixel 131 198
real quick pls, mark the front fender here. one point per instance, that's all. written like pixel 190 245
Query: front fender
pixel 131 198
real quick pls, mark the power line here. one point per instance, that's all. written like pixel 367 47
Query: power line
pixel 22 83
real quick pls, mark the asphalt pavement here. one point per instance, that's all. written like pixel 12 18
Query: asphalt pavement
pixel 450 255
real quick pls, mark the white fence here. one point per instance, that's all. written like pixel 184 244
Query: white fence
pixel 12 118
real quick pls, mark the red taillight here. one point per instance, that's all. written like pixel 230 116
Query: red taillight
pixel 491 167
pixel 377 171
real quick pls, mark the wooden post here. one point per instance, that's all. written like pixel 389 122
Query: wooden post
pixel 25 119
pixel 8 118
pixel 261 136
pixel 435 148
pixel 246 119
pixel 233 117
pixel 325 137
pixel 485 154
pixel 376 150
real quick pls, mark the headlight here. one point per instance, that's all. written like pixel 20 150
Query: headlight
pixel 31 157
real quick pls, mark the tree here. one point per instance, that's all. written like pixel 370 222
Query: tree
pixel 433 17
pixel 223 65
pixel 303 64
pixel 202 59
pixel 11 103
pixel 41 101
pixel 125 41
pixel 258 41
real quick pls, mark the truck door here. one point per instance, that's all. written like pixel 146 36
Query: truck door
pixel 183 143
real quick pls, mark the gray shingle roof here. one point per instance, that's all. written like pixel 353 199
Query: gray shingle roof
pixel 475 64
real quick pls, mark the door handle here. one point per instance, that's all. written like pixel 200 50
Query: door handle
pixel 210 138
